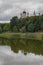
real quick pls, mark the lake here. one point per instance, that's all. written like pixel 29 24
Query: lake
pixel 21 52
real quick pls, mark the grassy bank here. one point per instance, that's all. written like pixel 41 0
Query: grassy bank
pixel 35 36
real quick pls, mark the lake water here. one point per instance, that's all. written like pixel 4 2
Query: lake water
pixel 21 52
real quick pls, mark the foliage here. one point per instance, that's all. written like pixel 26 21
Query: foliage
pixel 15 29
pixel 27 24
pixel 6 28
pixel 24 45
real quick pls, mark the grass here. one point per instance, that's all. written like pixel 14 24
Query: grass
pixel 35 36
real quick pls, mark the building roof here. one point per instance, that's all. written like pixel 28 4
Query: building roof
pixel 24 11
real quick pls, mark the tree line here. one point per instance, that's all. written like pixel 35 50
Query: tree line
pixel 27 24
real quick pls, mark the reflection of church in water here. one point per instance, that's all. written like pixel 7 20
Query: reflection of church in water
pixel 24 14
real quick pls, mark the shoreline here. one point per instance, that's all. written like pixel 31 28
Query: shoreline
pixel 34 36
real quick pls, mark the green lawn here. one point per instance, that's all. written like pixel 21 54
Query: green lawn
pixel 36 36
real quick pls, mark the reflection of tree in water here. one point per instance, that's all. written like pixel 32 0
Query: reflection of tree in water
pixel 25 45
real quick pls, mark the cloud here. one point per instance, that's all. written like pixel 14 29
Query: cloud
pixel 8 57
pixel 10 8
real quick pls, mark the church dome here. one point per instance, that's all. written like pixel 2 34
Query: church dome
pixel 24 11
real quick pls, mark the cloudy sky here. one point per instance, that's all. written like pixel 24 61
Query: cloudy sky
pixel 9 8
pixel 8 57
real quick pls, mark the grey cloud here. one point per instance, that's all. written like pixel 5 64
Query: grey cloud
pixel 7 57
pixel 9 8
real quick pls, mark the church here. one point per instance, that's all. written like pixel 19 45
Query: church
pixel 24 14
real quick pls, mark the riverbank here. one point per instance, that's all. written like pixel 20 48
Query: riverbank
pixel 35 36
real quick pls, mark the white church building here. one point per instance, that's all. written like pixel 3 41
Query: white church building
pixel 24 14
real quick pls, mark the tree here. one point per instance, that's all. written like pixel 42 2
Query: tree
pixel 23 29
pixel 15 29
pixel 6 28
pixel 14 22
pixel 28 24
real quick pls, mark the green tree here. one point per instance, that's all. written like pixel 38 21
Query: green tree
pixel 14 22
pixel 15 29
pixel 23 29
pixel 6 28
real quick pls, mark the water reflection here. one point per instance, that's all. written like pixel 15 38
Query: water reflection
pixel 8 57
pixel 25 45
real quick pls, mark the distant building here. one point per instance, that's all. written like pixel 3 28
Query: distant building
pixel 24 14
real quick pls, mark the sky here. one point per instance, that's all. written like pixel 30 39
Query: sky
pixel 10 8
pixel 8 57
